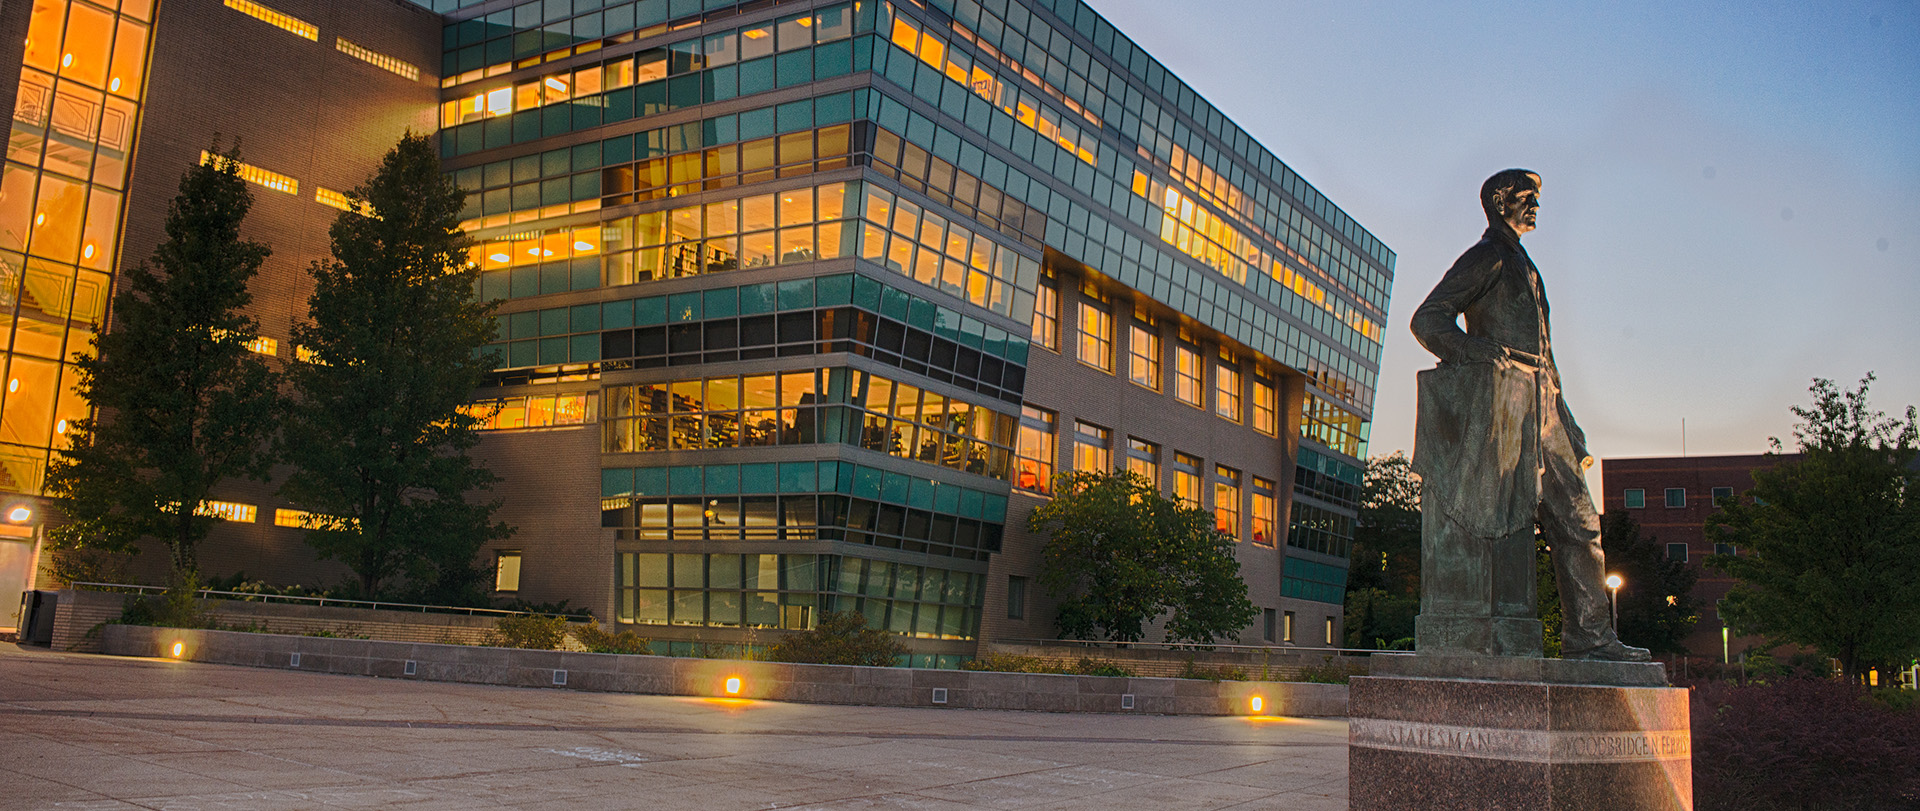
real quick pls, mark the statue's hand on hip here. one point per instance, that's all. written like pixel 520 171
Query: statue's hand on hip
pixel 1485 350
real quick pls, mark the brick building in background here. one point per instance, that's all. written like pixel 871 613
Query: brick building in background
pixel 803 302
pixel 1671 499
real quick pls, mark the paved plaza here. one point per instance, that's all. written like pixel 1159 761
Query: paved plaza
pixel 94 732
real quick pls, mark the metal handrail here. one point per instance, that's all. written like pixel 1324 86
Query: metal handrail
pixel 1192 646
pixel 247 596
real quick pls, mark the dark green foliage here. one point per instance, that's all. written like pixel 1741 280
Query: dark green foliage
pixel 841 638
pixel 375 432
pixel 181 404
pixel 1017 663
pixel 1383 585
pixel 1547 597
pixel 528 631
pixel 1119 554
pixel 1830 543
pixel 177 607
pixel 599 640
pixel 1802 744
pixel 1647 619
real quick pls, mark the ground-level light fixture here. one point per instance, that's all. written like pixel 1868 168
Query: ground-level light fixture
pixel 19 513
pixel 733 685
pixel 178 649
pixel 1258 704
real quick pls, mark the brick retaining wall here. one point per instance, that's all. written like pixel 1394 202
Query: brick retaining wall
pixel 659 675
pixel 1277 665
pixel 80 612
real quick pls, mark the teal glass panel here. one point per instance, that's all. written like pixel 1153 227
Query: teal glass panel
pixel 616 481
pixel 832 291
pixel 761 478
pixel 683 307
pixel 685 480
pixel 583 348
pixel 650 311
pixel 758 299
pixel 866 482
pixel 866 293
pixel 797 477
pixel 721 303
pixel 970 504
pixel 616 314
pixel 796 294
pixel 920 495
pixel 893 489
pixel 650 481
pixel 723 479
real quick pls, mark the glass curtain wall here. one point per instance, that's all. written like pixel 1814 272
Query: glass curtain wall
pixel 61 197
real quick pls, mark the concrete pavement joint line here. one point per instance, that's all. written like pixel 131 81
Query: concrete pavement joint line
pixel 662 730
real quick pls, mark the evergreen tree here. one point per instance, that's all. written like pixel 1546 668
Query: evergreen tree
pixel 1829 545
pixel 1383 586
pixel 1656 598
pixel 1119 554
pixel 179 402
pixel 376 433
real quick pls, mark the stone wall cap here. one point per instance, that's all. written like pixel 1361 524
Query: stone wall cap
pixel 1519 669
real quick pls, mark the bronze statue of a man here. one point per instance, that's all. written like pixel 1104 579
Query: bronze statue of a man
pixel 1499 454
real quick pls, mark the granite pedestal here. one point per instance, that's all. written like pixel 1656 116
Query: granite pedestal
pixel 1484 733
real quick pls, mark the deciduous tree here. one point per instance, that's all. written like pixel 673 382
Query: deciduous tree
pixel 1656 598
pixel 376 432
pixel 1829 544
pixel 180 404
pixel 1383 585
pixel 1119 554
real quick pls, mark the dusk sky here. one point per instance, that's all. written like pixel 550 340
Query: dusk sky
pixel 1731 202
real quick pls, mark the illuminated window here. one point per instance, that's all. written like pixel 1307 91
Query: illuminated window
pixel 1143 354
pixel 1186 376
pixel 1329 627
pixel 1286 627
pixel 1034 463
pixel 378 60
pixel 303 519
pixel 1143 459
pixel 1186 479
pixel 1046 317
pixel 228 510
pixel 1096 337
pixel 1226 382
pixel 305 355
pixel 1092 448
pixel 1226 500
pixel 329 197
pixel 539 411
pixel 506 571
pixel 257 175
pixel 1266 407
pixel 264 345
pixel 1265 512
pixel 1676 497
pixel 277 19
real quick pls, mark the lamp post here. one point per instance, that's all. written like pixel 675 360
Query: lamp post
pixel 1613 598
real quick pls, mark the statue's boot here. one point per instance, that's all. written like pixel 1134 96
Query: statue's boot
pixel 1613 651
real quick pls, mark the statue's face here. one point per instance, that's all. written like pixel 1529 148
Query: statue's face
pixel 1521 206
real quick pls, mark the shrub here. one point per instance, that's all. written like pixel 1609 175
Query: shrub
pixel 527 631
pixel 1802 744
pixel 841 638
pixel 1016 663
pixel 1332 671
pixel 1193 670
pixel 599 640
pixel 177 607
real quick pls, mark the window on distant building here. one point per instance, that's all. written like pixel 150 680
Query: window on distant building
pixel 1677 552
pixel 1186 479
pixel 1269 618
pixel 1725 549
pixel 506 571
pixel 1143 458
pixel 1226 500
pixel 1265 512
pixel 1226 387
pixel 1143 354
pixel 1722 495
pixel 1266 407
pixel 1016 597
pixel 1046 317
pixel 1676 497
pixel 1034 459
pixel 1286 627
pixel 1329 631
pixel 1186 376
pixel 1095 347
pixel 1636 498
pixel 1092 448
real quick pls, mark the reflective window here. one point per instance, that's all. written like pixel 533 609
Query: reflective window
pixel 1092 448
pixel 1036 451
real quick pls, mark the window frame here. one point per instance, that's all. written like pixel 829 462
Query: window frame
pixel 1682 498
pixel 1635 498
pixel 500 558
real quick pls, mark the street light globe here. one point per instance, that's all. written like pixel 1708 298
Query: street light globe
pixel 1614 581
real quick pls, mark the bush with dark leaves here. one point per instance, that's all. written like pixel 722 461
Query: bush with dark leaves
pixel 1802 744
